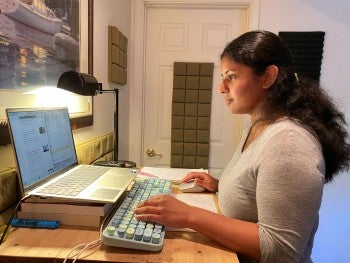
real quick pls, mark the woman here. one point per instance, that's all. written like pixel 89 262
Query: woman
pixel 270 192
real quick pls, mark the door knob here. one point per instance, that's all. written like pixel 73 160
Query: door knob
pixel 151 152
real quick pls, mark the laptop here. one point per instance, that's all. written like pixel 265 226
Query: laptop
pixel 45 155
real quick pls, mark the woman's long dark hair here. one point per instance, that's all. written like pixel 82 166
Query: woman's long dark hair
pixel 297 97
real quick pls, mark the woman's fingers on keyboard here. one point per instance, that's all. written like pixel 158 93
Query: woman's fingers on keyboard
pixel 163 209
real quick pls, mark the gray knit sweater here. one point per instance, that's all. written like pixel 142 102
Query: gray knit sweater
pixel 277 182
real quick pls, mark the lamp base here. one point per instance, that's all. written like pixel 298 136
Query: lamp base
pixel 119 163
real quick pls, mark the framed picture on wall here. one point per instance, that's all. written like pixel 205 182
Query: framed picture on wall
pixel 39 40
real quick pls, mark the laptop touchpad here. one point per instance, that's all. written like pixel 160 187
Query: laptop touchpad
pixel 114 181
pixel 104 193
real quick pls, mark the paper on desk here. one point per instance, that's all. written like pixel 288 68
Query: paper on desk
pixel 174 174
pixel 204 201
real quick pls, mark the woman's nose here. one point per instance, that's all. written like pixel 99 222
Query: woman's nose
pixel 222 87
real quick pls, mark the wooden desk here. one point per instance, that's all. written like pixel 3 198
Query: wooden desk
pixel 45 245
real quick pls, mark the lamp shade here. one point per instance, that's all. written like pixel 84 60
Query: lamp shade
pixel 79 83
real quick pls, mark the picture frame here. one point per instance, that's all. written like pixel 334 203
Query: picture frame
pixel 86 119
pixel 15 98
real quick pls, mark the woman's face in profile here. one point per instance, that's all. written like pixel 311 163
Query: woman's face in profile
pixel 242 90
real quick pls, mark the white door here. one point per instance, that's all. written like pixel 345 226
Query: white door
pixel 187 34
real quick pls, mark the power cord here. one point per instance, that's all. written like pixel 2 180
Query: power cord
pixel 12 217
pixel 85 246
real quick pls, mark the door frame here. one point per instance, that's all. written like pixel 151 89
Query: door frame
pixel 137 66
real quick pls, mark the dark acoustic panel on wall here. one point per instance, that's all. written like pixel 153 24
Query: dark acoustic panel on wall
pixel 307 51
pixel 191 110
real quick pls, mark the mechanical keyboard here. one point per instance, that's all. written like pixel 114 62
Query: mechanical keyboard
pixel 124 230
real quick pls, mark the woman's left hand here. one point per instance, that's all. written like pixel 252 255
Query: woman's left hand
pixel 164 209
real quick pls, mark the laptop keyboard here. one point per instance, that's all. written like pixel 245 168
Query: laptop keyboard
pixel 76 181
pixel 124 230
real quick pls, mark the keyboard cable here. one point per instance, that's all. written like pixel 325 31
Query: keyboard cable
pixel 85 246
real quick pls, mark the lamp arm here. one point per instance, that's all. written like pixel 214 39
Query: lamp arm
pixel 100 90
pixel 106 91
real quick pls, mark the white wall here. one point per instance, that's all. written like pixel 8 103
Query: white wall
pixel 332 239
pixel 115 13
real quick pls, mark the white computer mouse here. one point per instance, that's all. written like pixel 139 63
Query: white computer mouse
pixel 191 187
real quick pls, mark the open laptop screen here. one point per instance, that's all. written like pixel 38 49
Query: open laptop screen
pixel 43 142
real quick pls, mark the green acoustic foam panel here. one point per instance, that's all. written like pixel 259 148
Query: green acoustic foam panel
pixel 191 110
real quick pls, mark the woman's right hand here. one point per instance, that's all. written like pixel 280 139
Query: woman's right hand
pixel 203 179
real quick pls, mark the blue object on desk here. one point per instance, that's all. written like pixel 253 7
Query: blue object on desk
pixel 31 223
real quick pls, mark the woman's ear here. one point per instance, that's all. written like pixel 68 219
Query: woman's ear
pixel 271 73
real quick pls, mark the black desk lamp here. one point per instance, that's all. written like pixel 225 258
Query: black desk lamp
pixel 87 85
